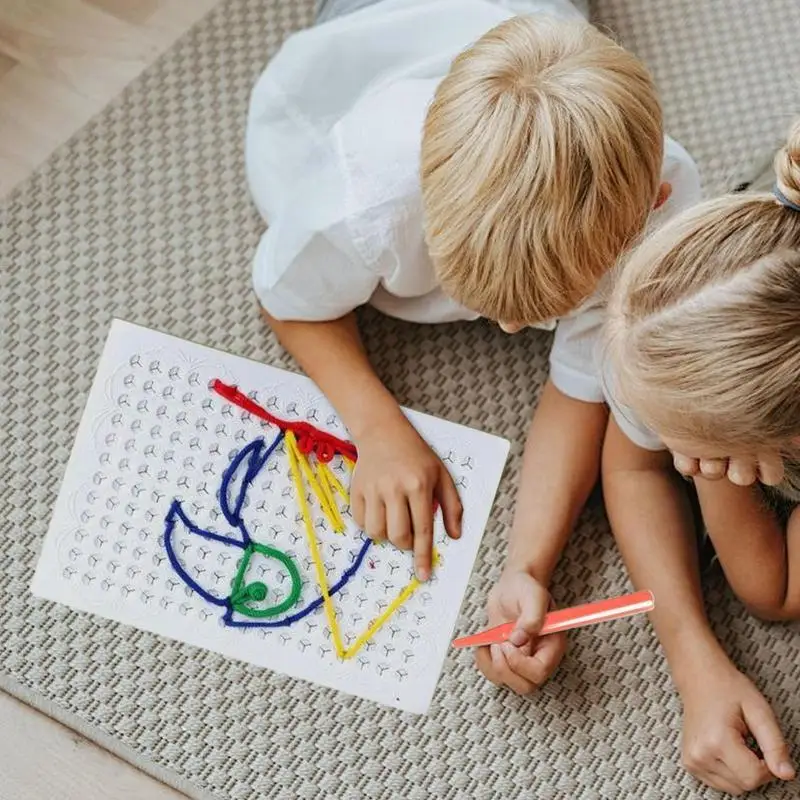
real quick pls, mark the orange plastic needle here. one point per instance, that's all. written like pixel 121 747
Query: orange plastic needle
pixel 566 619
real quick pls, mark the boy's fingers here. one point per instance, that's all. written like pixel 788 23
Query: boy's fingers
pixel 375 518
pixel 422 522
pixel 518 684
pixel 761 721
pixel 358 507
pixel 447 495
pixel 519 637
pixel 398 522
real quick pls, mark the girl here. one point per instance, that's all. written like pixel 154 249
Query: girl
pixel 703 346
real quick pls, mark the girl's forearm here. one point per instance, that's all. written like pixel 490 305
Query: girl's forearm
pixel 751 545
pixel 652 522
pixel 792 604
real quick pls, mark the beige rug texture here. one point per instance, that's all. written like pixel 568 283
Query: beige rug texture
pixel 145 215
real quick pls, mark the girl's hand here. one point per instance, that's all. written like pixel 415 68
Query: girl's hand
pixel 396 484
pixel 524 662
pixel 722 709
pixel 764 467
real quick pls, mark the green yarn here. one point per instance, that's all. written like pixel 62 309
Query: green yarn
pixel 242 594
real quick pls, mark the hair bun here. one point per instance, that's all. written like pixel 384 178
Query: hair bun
pixel 787 165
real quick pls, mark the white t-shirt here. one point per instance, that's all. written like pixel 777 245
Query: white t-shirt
pixel 575 358
pixel 625 417
pixel 333 150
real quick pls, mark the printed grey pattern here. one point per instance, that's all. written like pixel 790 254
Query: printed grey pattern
pixel 145 215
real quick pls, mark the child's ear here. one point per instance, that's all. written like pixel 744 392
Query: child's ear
pixel 664 191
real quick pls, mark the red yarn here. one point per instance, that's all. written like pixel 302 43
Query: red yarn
pixel 309 439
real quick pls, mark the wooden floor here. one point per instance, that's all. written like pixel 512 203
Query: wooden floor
pixel 61 61
pixel 42 760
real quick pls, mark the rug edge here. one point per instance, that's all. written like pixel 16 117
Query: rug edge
pixel 99 737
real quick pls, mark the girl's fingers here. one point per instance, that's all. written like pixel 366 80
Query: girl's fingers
pixel 741 765
pixel 688 467
pixel 515 681
pixel 764 726
pixel 713 468
pixel 765 467
pixel 720 779
pixel 742 472
pixel 770 469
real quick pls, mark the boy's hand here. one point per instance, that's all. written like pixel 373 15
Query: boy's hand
pixel 525 662
pixel 722 708
pixel 397 481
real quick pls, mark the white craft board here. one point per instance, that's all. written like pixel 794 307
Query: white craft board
pixel 153 432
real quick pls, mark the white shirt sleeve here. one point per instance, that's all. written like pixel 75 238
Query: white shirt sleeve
pixel 681 173
pixel 633 428
pixel 576 371
pixel 624 416
pixel 322 281
pixel 573 357
pixel 307 266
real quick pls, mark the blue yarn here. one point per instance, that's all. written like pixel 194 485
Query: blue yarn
pixel 256 454
pixel 256 460
pixel 175 510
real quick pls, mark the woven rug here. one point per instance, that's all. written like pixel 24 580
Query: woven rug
pixel 145 215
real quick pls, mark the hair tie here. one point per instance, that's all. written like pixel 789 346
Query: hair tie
pixel 783 199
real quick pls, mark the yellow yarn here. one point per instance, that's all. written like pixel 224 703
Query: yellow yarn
pixel 323 486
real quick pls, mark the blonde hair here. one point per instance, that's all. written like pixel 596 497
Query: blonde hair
pixel 704 322
pixel 541 160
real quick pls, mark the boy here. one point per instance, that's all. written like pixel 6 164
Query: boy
pixel 448 161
